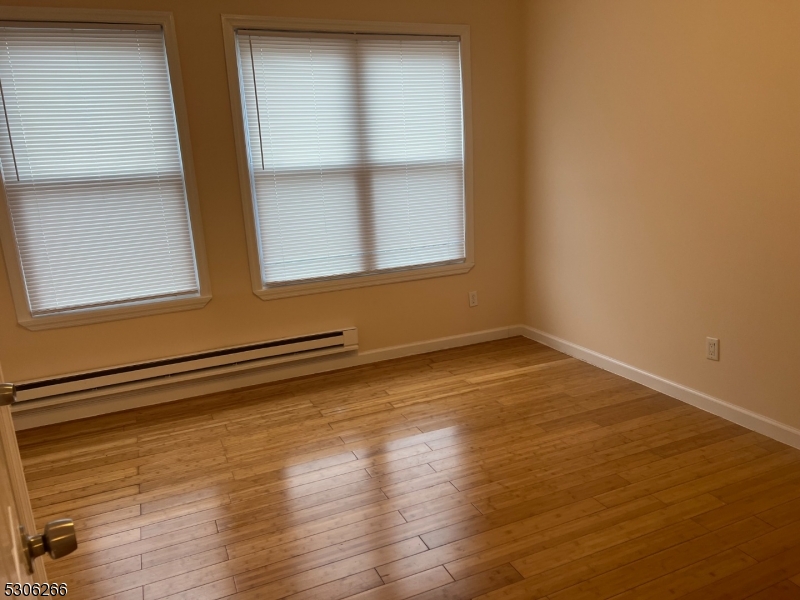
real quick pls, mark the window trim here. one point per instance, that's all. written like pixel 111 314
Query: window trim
pixel 134 308
pixel 232 23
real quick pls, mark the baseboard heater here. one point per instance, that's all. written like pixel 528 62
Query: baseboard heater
pixel 212 363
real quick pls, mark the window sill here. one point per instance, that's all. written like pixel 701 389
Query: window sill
pixel 123 311
pixel 357 281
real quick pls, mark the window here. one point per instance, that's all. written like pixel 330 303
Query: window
pixel 92 169
pixel 355 152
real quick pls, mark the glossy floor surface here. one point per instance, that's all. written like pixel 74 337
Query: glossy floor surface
pixel 501 470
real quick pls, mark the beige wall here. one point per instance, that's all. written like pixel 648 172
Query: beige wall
pixel 662 200
pixel 659 146
pixel 385 315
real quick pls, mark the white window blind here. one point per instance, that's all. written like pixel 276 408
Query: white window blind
pixel 356 152
pixel 91 166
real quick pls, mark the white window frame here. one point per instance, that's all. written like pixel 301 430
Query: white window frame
pixel 232 23
pixel 135 308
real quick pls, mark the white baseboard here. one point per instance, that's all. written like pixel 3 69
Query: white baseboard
pixel 28 415
pixel 736 414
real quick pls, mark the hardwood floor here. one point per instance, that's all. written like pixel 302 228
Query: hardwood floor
pixel 501 470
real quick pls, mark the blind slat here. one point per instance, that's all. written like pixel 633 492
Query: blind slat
pixel 92 168
pixel 356 152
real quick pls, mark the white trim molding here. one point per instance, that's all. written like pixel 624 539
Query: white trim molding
pixel 28 415
pixel 232 23
pixel 8 443
pixel 135 308
pixel 730 412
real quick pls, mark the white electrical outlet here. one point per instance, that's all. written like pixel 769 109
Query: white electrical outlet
pixel 473 298
pixel 712 348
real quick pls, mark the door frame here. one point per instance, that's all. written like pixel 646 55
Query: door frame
pixel 19 486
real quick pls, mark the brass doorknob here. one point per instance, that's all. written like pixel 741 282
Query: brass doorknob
pixel 57 540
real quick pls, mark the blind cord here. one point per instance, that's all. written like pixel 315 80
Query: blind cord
pixel 258 109
pixel 8 126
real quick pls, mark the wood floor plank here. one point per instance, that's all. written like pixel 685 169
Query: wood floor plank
pixel 326 573
pixel 521 547
pixel 479 583
pixel 573 549
pixel 753 580
pixel 695 576
pixel 668 561
pixel 773 542
pixel 785 590
pixel 583 569
pixel 410 586
pixel 345 587
pixel 481 538
pixel 120 546
pixel 499 470
pixel 210 591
